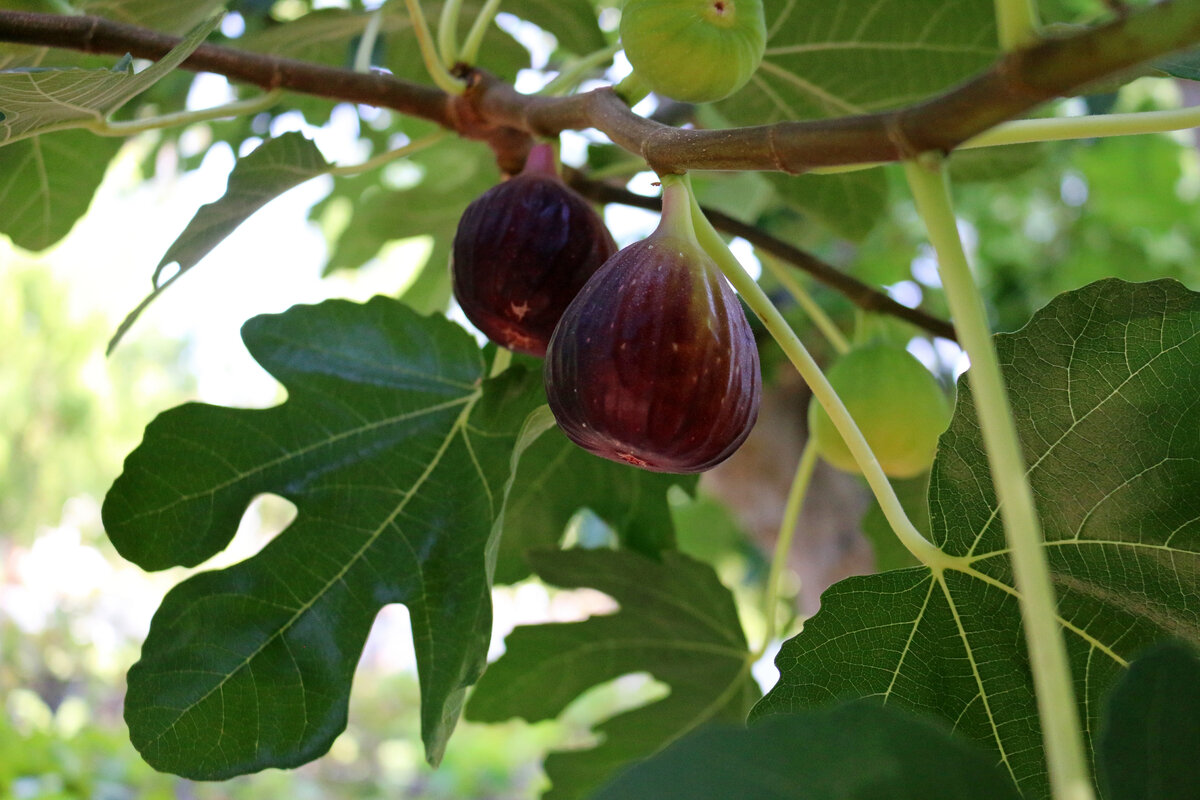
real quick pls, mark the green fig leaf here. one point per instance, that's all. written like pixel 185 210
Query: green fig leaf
pixel 849 204
pixel 855 751
pixel 395 453
pixel 272 169
pixel 1104 384
pixel 39 100
pixel 1150 734
pixel 676 622
pixel 832 59
pixel 47 183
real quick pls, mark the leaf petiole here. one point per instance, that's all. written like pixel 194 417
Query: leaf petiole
pixel 783 544
pixel 105 127
pixel 1016 23
pixel 447 33
pixel 433 64
pixel 391 155
pixel 474 40
pixel 1065 753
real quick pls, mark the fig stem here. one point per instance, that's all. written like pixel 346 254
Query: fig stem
pixel 238 108
pixel 433 64
pixel 366 43
pixel 474 41
pixel 447 32
pixel 783 544
pixel 542 159
pixel 677 208
pixel 631 90
pixel 1065 754
pixel 802 297
pixel 1016 23
pixel 798 354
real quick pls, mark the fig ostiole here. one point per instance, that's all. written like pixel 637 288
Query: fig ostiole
pixel 896 403
pixel 522 251
pixel 653 363
pixel 697 51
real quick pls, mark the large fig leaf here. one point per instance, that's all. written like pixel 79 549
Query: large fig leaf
pixel 395 453
pixel 856 751
pixel 676 622
pixel 1105 387
pixel 830 59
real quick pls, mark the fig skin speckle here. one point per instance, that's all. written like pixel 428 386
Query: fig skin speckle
pixel 654 363
pixel 521 253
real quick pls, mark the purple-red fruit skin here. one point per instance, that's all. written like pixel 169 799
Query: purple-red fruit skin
pixel 522 251
pixel 654 363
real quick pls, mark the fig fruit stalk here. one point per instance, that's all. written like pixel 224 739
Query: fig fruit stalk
pixel 522 251
pixel 654 363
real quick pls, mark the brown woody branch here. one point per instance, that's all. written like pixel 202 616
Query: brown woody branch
pixel 493 111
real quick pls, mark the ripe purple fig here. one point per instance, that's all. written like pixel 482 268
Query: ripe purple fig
pixel 654 363
pixel 522 251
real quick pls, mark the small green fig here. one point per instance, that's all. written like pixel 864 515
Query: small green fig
pixel 697 51
pixel 896 403
pixel 521 253
pixel 654 363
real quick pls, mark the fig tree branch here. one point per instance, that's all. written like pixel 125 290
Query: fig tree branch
pixel 859 293
pixel 494 111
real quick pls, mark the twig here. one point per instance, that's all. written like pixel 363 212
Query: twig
pixel 493 111
pixel 862 295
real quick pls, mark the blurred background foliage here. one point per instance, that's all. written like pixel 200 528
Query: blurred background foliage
pixel 1039 220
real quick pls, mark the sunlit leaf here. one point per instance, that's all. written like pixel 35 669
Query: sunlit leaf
pixel 395 455
pixel 676 622
pixel 47 184
pixel 1105 387
pixel 35 101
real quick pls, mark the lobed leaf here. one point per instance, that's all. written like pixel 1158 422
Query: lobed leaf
pixel 1105 384
pixel 395 455
pixel 676 622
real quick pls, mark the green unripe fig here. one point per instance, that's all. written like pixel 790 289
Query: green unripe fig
pixel 897 404
pixel 697 51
